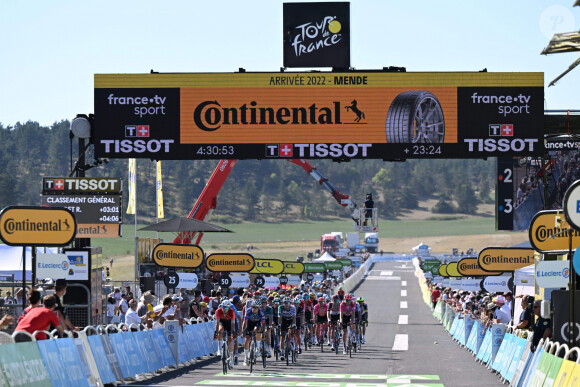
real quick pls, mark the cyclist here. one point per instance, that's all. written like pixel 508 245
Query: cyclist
pixel 340 294
pixel 225 318
pixel 269 314
pixel 320 311
pixel 308 330
pixel 347 308
pixel 253 319
pixel 299 319
pixel 286 321
pixel 333 317
pixel 237 307
pixel 364 317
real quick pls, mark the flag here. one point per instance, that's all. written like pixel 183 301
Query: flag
pixel 132 187
pixel 159 187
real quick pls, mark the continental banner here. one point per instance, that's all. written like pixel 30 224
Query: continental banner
pixel 505 259
pixel 314 268
pixel 550 232
pixel 230 262
pixel 177 255
pixel 37 226
pixel 293 268
pixel 267 266
pixel 325 115
pixel 469 267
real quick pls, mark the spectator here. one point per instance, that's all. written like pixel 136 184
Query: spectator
pixel 542 328
pixel 8 300
pixel 131 317
pixel 34 301
pixel 129 293
pixel 20 300
pixel 435 296
pixel 502 313
pixel 123 307
pixel 112 310
pixel 59 292
pixel 527 315
pixel 39 319
pixel 6 321
pixel 194 306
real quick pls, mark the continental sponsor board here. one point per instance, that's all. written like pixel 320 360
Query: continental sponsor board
pixel 470 267
pixel 267 266
pixel 550 232
pixel 37 226
pixel 314 268
pixel 318 115
pixel 230 262
pixel 505 259
pixel 452 269
pixel 443 271
pixel 96 230
pixel 293 268
pixel 177 255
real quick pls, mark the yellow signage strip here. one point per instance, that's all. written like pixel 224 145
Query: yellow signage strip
pixel 177 255
pixel 230 262
pixel 452 270
pixel 293 268
pixel 317 80
pixel 37 226
pixel 470 267
pixel 549 232
pixel 505 258
pixel 267 266
pixel 443 271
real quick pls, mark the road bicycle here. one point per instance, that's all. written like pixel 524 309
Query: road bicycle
pixel 253 347
pixel 225 357
pixel 263 348
pixel 336 337
pixel 275 342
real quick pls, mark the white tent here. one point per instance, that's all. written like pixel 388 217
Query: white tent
pixel 326 257
pixel 524 276
pixel 11 260
pixel 422 250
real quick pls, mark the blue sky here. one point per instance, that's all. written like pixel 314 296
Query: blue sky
pixel 50 50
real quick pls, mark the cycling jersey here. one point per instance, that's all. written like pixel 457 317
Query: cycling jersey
pixel 299 311
pixel 334 308
pixel 269 311
pixel 229 315
pixel 255 317
pixel 364 311
pixel 286 314
pixel 320 309
pixel 346 308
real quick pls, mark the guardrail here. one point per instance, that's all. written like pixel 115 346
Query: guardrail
pixel 103 354
pixel 507 351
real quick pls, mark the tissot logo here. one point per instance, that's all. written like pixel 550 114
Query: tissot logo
pixel 317 150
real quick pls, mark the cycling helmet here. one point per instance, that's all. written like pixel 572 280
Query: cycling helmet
pixel 257 293
pixel 340 292
pixel 236 299
pixel 224 298
pixel 277 300
pixel 305 296
pixel 264 297
pixel 271 298
pixel 287 300
pixel 321 299
pixel 249 303
pixel 360 299
pixel 226 304
pixel 348 297
pixel 257 303
pixel 327 297
pixel 297 300
pixel 320 295
pixel 312 296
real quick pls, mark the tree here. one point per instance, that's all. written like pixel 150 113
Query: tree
pixel 466 200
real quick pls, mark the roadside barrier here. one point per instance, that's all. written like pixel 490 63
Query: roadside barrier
pixel 507 351
pixel 101 355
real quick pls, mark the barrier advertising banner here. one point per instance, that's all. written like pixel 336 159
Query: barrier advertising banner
pixel 553 274
pixel 230 262
pixel 504 259
pixel 497 284
pixel 326 115
pixel 267 266
pixel 497 334
pixel 177 255
pixel 470 267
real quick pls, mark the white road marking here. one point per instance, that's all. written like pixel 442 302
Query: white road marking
pixel 403 293
pixel 383 278
pixel 401 342
pixel 403 283
pixel 386 272
pixel 404 305
pixel 403 319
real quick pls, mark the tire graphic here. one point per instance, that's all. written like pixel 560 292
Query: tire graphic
pixel 415 117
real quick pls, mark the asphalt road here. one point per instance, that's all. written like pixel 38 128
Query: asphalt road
pixel 418 353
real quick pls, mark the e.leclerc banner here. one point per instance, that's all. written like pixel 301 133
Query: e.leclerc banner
pixel 504 259
pixel 550 232
pixel 230 262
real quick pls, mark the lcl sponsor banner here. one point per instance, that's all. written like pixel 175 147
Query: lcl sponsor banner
pixel 230 262
pixel 550 232
pixel 37 226
pixel 497 284
pixel 293 268
pixel 504 259
pixel 188 280
pixel 267 266
pixel 326 115
pixel 553 274
pixel 177 255
pixel 470 267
